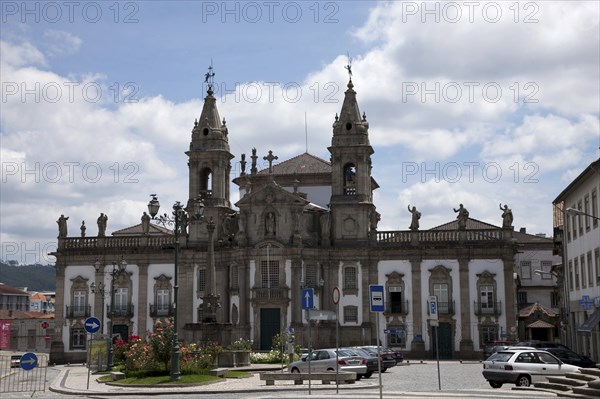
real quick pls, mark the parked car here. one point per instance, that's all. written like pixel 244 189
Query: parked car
pixel 542 344
pixel 523 367
pixel 495 346
pixel 388 357
pixel 325 360
pixel 370 360
pixel 399 356
pixel 570 357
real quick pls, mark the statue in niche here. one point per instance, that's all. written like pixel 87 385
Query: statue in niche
pixel 62 226
pixel 507 217
pixel 462 217
pixel 102 221
pixel 416 215
pixel 270 223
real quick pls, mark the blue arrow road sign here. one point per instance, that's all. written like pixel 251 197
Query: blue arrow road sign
pixel 91 325
pixel 376 298
pixel 28 361
pixel 308 298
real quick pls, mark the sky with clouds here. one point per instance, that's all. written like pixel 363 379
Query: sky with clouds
pixel 477 103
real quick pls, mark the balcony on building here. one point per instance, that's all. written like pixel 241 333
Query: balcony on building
pixel 487 308
pixel 120 310
pixel 161 310
pixel 74 312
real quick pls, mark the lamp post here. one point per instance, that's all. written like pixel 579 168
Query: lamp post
pixel 118 268
pixel 100 289
pixel 180 220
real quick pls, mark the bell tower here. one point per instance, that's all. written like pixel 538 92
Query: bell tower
pixel 209 158
pixel 353 211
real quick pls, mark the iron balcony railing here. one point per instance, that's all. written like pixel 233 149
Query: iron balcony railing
pixel 397 307
pixel 161 311
pixel 120 310
pixel 487 308
pixel 74 312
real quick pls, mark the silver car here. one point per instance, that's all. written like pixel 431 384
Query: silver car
pixel 325 360
pixel 523 367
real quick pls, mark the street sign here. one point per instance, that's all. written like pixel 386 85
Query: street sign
pixel 391 331
pixel 28 361
pixel 376 298
pixel 433 308
pixel 91 325
pixel 308 298
pixel 315 314
pixel 336 295
pixel 291 330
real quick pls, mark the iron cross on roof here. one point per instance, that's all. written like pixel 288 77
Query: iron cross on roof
pixel 270 158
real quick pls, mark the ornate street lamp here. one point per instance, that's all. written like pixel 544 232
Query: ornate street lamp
pixel 118 268
pixel 180 220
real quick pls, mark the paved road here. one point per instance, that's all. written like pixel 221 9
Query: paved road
pixel 458 380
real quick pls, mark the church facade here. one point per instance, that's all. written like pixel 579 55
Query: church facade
pixel 301 223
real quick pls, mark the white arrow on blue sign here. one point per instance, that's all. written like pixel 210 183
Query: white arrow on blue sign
pixel 91 325
pixel 28 361
pixel 308 298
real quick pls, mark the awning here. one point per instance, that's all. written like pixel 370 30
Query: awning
pixel 540 324
pixel 591 323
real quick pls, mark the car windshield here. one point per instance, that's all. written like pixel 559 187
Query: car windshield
pixel 500 357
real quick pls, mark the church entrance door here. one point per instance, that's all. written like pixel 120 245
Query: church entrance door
pixel 270 321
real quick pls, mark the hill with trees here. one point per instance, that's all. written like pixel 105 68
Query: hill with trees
pixel 34 277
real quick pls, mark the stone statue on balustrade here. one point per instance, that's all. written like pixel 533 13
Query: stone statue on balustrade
pixel 145 223
pixel 507 217
pixel 83 228
pixel 102 221
pixel 416 215
pixel 62 226
pixel 462 217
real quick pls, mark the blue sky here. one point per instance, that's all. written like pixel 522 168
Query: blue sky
pixel 474 104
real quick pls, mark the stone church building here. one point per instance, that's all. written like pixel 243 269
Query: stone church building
pixel 301 223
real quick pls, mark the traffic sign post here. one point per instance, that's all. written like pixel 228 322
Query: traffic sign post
pixel 308 298
pixel 376 298
pixel 434 322
pixel 92 325
pixel 28 361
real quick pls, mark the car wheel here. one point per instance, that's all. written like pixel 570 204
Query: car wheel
pixel 383 370
pixel 523 381
pixel 495 384
pixel 368 375
pixel 295 370
pixel 358 377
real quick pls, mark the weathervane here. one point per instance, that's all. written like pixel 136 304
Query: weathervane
pixel 209 77
pixel 349 66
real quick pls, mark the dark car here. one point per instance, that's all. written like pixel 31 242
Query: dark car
pixel 570 357
pixel 492 347
pixel 542 344
pixel 399 356
pixel 388 357
pixel 370 359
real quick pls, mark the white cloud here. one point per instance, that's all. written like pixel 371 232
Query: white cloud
pixel 60 42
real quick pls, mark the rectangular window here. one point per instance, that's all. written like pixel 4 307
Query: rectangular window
pixel 546 269
pixel 397 337
pixel 576 269
pixel 487 298
pixel 583 271
pixel 162 301
pixel 580 218
pixel 570 274
pixel 595 208
pixel 597 257
pixel 201 280
pixel 310 275
pixel 574 222
pixel 235 278
pixel 441 292
pixel 121 300
pixel 586 209
pixel 590 268
pixel 569 227
pixel 269 274
pixel 526 270
pixel 350 277
pixel 522 298
pixel 488 334
pixel 350 314
pixel 395 300
pixel 79 303
pixel 554 299
pixel 77 338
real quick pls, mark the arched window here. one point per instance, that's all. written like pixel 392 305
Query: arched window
pixel 206 176
pixel 349 179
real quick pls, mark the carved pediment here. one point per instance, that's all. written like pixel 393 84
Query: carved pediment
pixel 270 195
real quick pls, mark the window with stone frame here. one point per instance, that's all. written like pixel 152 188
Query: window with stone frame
pixel 489 333
pixel 269 274
pixel 162 295
pixel 580 217
pixel 546 266
pixel 522 298
pixel 594 208
pixel 202 279
pixel 350 278
pixel 79 297
pixel 486 286
pixel 571 277
pixel 121 305
pixel 583 272
pixel 78 338
pixel 440 285
pixel 554 299
pixel 586 209
pixel 311 275
pixel 525 269
pixel 350 314
pixel 397 336
pixel 574 222
pixel 395 302
pixel 576 270
pixel 235 278
pixel 349 179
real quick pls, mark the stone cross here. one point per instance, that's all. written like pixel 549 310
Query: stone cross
pixel 270 158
